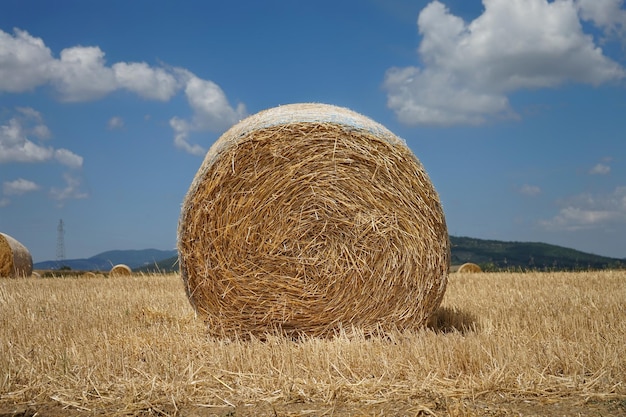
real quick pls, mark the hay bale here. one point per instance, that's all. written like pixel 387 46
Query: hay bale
pixel 120 270
pixel 15 259
pixel 468 268
pixel 310 218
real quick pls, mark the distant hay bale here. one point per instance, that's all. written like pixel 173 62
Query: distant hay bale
pixel 89 274
pixel 308 219
pixel 120 270
pixel 15 259
pixel 469 267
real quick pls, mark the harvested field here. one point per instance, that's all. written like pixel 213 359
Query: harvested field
pixel 501 344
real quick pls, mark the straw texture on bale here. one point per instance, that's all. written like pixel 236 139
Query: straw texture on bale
pixel 15 259
pixel 120 270
pixel 311 218
pixel 469 267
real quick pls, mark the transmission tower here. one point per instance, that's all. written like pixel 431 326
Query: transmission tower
pixel 60 241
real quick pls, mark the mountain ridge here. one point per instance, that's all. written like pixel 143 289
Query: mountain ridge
pixel 134 258
pixel 490 255
pixel 498 255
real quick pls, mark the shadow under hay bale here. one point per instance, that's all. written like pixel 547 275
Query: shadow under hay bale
pixel 448 320
pixel 309 218
pixel 15 259
pixel 120 270
pixel 468 268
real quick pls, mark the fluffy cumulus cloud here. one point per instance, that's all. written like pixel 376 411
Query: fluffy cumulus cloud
pixel 19 186
pixel 468 69
pixel 24 61
pixel 586 211
pixel 150 83
pixel 608 15
pixel 22 140
pixel 71 191
pixel 211 112
pixel 68 158
pixel 81 73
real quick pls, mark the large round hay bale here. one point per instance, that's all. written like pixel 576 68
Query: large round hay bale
pixel 308 219
pixel 468 268
pixel 120 270
pixel 15 259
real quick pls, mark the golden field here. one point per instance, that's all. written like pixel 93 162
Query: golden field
pixel 501 344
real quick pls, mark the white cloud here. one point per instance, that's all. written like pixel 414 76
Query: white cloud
pixel 19 186
pixel 605 14
pixel 16 147
pixel 16 144
pixel 210 105
pixel 70 192
pixel 24 62
pixel 68 158
pixel 39 129
pixel 115 122
pixel 181 135
pixel 211 112
pixel 81 74
pixel 148 82
pixel 530 190
pixel 588 211
pixel 468 69
pixel 600 169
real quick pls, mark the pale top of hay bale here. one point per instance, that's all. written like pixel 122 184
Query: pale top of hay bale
pixel 301 113
pixel 120 270
pixel 308 218
pixel 15 259
pixel 316 113
pixel 469 267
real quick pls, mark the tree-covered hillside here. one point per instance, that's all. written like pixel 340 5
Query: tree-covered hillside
pixel 499 255
pixel 495 255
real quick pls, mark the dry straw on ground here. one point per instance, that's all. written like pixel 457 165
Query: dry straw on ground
pixel 120 270
pixel 310 218
pixel 469 267
pixel 15 259
pixel 500 344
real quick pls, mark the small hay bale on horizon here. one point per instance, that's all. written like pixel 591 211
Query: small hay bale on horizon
pixel 309 219
pixel 468 268
pixel 15 259
pixel 120 270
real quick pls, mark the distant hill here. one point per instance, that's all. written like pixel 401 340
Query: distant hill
pixel 105 260
pixel 490 255
pixel 165 265
pixel 495 255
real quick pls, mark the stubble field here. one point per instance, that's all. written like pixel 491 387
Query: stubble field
pixel 501 344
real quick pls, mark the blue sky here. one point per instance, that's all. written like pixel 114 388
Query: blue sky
pixel 516 108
